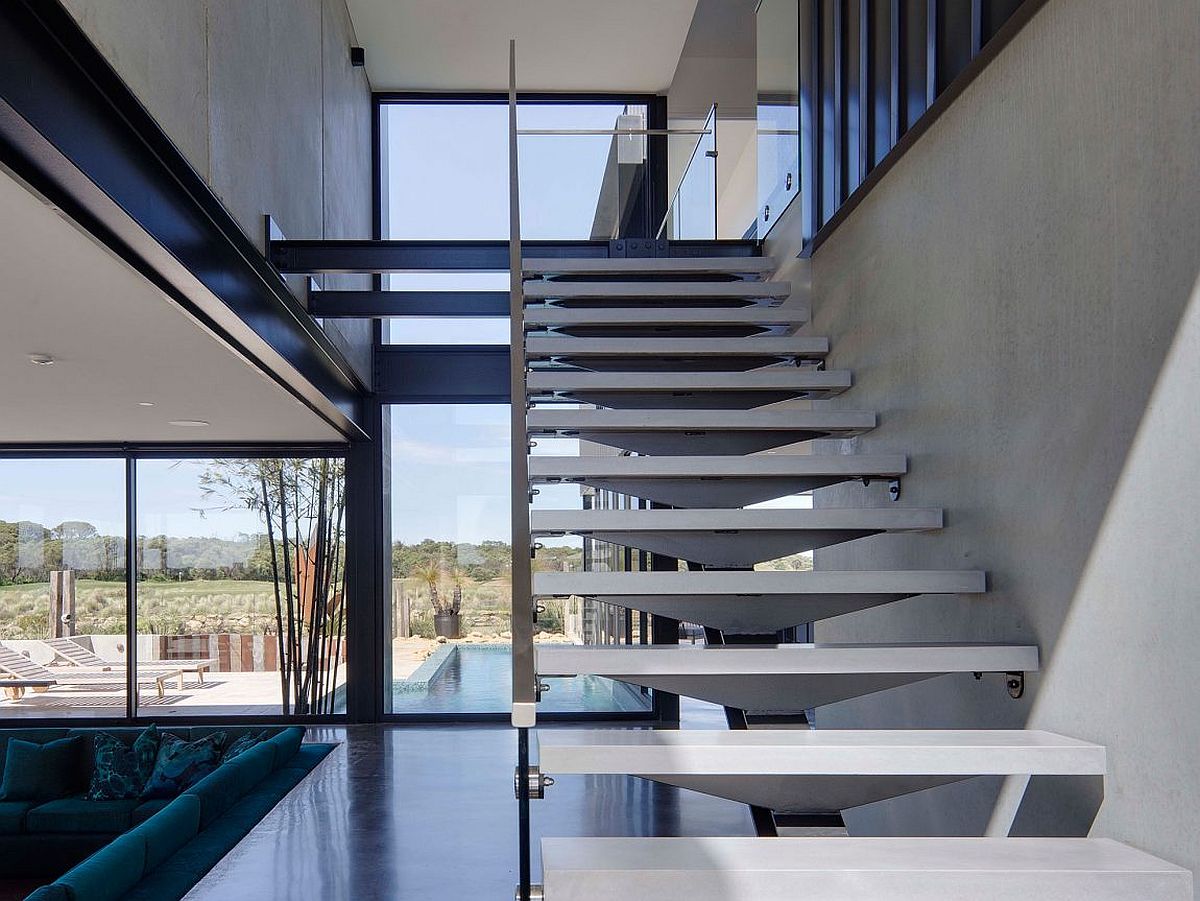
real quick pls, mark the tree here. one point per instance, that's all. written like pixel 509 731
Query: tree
pixel 303 505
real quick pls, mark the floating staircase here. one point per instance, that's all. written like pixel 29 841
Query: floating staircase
pixel 683 363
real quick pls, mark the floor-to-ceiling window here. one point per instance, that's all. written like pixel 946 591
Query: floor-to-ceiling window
pixel 240 605
pixel 451 601
pixel 240 585
pixel 62 576
pixel 444 177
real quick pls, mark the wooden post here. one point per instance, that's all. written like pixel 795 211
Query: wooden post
pixel 405 613
pixel 62 603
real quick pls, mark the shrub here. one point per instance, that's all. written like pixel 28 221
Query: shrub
pixel 420 624
pixel 550 619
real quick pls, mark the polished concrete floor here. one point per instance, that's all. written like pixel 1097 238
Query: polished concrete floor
pixel 428 813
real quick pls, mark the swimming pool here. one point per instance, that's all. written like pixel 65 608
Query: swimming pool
pixel 478 679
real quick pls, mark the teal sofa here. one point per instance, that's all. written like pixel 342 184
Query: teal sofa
pixel 153 849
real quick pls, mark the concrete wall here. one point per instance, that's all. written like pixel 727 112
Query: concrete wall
pixel 259 95
pixel 1018 299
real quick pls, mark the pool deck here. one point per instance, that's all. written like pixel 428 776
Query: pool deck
pixel 221 694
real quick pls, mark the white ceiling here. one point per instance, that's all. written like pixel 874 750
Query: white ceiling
pixel 562 45
pixel 116 340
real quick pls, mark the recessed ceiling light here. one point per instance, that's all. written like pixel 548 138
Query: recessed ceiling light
pixel 145 403
pixel 188 423
pixel 41 359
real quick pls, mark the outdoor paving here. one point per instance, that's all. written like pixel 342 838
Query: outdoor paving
pixel 221 694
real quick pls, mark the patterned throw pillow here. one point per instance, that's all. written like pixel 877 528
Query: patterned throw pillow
pixel 181 764
pixel 242 743
pixel 120 770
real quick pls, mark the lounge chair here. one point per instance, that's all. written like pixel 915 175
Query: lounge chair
pixel 18 673
pixel 76 654
pixel 24 669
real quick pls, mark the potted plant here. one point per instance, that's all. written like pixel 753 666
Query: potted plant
pixel 446 621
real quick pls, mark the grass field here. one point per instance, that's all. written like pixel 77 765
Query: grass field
pixel 165 608
pixel 213 606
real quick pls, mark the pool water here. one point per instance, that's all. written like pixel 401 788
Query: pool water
pixel 478 679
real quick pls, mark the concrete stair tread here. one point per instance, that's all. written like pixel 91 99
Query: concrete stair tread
pixel 855 869
pixel 775 378
pixel 904 519
pixel 765 345
pixel 698 390
pixel 699 432
pixel 783 679
pixel 712 481
pixel 732 537
pixel 751 660
pixel 649 266
pixel 750 602
pixel 736 586
pixel 661 322
pixel 834 752
pixel 755 466
pixel 540 289
pixel 702 420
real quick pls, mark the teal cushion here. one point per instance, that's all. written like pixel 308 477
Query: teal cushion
pixel 218 791
pixel 147 809
pixel 170 829
pixel 52 892
pixel 79 815
pixel 110 872
pixel 37 736
pixel 243 742
pixel 181 764
pixel 286 744
pixel 34 772
pixel 120 771
pixel 12 816
pixel 260 760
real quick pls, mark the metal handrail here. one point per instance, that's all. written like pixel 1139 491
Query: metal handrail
pixel 524 680
pixel 522 132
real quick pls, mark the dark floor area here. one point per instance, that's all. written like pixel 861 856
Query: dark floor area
pixel 428 813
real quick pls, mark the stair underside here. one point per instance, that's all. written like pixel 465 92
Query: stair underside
pixel 663 322
pixel 701 432
pixel 633 266
pixel 715 481
pixel 693 390
pixel 656 292
pixel 856 869
pixel 755 603
pixel 789 770
pixel 732 538
pixel 675 354
pixel 781 678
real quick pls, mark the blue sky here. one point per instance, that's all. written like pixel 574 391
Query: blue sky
pixel 55 491
pixel 451 463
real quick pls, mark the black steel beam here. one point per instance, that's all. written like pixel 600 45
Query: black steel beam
pixel 467 374
pixel 314 256
pixel 376 304
pixel 72 129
